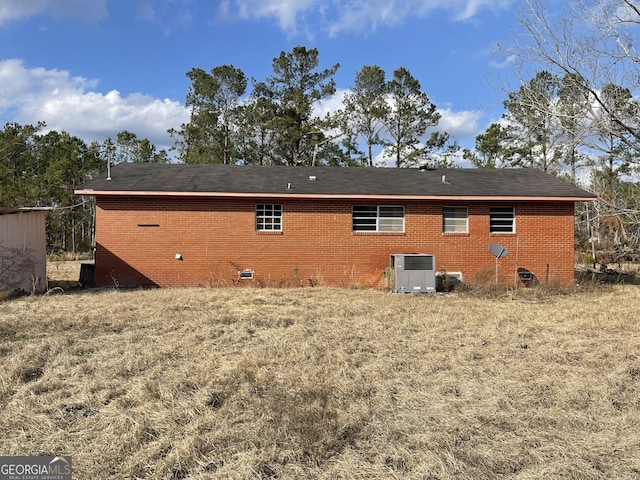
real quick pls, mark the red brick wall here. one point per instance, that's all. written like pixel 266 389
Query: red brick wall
pixel 217 238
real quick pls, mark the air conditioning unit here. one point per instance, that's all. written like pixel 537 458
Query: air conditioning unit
pixel 413 273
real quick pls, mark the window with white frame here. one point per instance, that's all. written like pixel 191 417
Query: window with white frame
pixel 268 218
pixel 455 220
pixel 378 218
pixel 502 220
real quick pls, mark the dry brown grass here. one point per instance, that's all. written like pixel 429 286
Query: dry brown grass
pixel 324 384
pixel 64 273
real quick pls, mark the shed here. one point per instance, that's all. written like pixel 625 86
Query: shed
pixel 23 249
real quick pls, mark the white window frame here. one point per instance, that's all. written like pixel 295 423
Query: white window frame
pixel 268 217
pixel 501 220
pixel 453 220
pixel 376 218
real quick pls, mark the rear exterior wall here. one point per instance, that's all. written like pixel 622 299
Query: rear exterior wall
pixel 175 241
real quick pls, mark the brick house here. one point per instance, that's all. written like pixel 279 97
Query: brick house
pixel 217 225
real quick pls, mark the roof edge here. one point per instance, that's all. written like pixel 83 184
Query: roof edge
pixel 124 193
pixel 12 210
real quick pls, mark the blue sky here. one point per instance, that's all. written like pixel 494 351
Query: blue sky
pixel 94 68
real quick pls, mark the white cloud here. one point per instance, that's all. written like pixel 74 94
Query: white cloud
pixel 507 62
pixel 467 9
pixel 146 11
pixel 340 16
pixel 287 13
pixel 85 9
pixel 461 125
pixel 72 104
pixel 174 15
pixel 330 104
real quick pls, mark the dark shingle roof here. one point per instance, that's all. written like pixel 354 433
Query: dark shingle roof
pixel 174 179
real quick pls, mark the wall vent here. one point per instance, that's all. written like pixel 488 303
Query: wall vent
pixel 246 274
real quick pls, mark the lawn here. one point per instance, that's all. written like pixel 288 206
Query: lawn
pixel 325 383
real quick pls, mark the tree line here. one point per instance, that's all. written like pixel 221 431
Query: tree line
pixel 42 169
pixel 276 122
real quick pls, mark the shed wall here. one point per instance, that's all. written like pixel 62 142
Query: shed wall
pixel 24 233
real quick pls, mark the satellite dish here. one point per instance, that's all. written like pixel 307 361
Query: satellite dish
pixel 498 251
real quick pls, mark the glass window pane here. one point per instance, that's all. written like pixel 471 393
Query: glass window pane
pixel 360 209
pixel 365 221
pixel 373 218
pixel 269 217
pixel 391 224
pixel 392 211
pixel 502 219
pixel 454 219
pixel 365 212
pixel 364 228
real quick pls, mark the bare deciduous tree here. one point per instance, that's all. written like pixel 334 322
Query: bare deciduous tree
pixel 593 42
